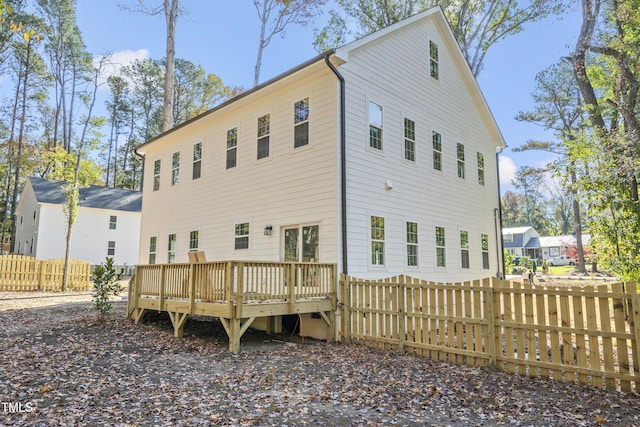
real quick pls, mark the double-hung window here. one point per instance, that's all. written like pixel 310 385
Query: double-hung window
pixel 464 248
pixel 441 260
pixel 113 220
pixel 111 248
pixel 264 130
pixel 171 249
pixel 375 126
pixel 480 168
pixel 460 157
pixel 175 168
pixel 197 160
pixel 437 150
pixel 193 240
pixel 232 148
pixel 433 60
pixel 412 244
pixel 301 123
pixel 485 250
pixel 242 236
pixel 156 175
pixel 153 249
pixel 409 140
pixel 377 240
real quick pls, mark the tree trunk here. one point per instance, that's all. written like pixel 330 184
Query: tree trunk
pixel 171 14
pixel 16 183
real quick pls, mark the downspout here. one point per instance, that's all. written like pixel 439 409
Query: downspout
pixel 343 160
pixel 497 213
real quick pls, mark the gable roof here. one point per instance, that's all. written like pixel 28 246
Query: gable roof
pixel 436 13
pixel 342 55
pixel 93 196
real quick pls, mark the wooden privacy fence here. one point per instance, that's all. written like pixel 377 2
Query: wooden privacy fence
pixel 23 273
pixel 589 335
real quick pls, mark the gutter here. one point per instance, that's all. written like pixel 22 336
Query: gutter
pixel 343 160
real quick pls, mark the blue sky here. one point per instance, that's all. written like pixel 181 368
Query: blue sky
pixel 222 36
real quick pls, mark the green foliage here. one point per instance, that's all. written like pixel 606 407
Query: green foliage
pixel 105 285
pixel 72 197
pixel 58 164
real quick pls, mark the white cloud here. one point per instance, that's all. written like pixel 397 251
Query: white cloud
pixel 113 62
pixel 507 170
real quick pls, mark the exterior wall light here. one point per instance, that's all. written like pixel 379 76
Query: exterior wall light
pixel 268 230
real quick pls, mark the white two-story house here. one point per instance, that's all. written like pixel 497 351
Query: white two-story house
pixel 379 156
pixel 107 225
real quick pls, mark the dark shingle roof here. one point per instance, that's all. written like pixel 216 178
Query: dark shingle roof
pixel 93 196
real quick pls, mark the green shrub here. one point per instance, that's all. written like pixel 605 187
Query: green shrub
pixel 105 284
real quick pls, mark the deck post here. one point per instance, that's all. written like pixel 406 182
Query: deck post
pixel 161 291
pixel 234 335
pixel 228 286
pixel 240 293
pixel 292 283
pixel 178 320
pixel 192 286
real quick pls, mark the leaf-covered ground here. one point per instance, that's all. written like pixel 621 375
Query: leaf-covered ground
pixel 61 366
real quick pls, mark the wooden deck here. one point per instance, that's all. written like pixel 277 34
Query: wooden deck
pixel 237 292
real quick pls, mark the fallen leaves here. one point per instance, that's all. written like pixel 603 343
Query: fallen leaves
pixel 85 372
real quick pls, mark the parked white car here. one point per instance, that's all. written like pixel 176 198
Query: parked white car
pixel 561 260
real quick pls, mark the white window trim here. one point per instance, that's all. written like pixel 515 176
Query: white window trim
pixel 406 243
pixel 447 239
pixel 370 265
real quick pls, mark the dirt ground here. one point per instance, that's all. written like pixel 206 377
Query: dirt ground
pixel 63 365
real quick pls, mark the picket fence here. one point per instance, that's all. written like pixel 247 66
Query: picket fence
pixel 23 273
pixel 587 335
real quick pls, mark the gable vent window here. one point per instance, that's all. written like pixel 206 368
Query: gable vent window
pixel 197 160
pixel 434 70
pixel 264 130
pixel 301 122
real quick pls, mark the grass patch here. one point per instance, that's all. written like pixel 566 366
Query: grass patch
pixel 561 270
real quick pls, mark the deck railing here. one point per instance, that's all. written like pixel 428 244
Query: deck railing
pixel 236 281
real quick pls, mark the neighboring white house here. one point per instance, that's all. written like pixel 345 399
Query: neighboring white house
pixel 379 156
pixel 108 223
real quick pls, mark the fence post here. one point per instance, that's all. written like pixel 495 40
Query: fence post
pixel 240 292
pixel 345 314
pixel 402 335
pixel 490 314
pixel 41 275
pixel 192 286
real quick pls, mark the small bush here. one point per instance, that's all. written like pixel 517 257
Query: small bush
pixel 105 284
